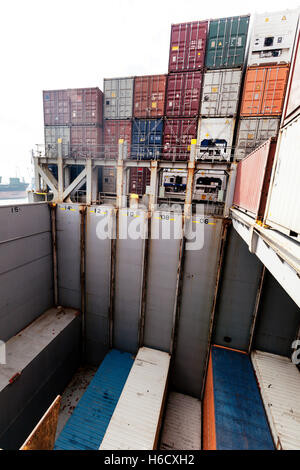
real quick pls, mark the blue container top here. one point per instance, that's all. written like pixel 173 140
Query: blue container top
pixel 146 138
pixel 240 417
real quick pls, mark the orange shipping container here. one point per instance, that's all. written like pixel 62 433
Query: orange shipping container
pixel 149 96
pixel 264 90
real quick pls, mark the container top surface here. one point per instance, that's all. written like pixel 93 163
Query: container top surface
pixel 135 420
pixel 87 425
pixel 239 413
pixel 26 345
pixel 279 381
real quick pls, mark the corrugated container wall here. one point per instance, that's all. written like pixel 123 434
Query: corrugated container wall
pixel 283 204
pixel 86 141
pixel 272 38
pixel 183 94
pixel 226 42
pixel 187 46
pixel 264 90
pixel 146 139
pixel 233 412
pixel 253 180
pixel 221 90
pixel 149 96
pixel 138 180
pixel 79 106
pixel 118 98
pixel 113 131
pixel 214 140
pixel 292 100
pixel 52 134
pixel 279 382
pixel 178 134
pixel 252 133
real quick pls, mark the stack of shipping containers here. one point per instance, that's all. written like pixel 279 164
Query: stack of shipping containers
pixel 266 78
pixel 225 52
pixel 76 117
pixel 118 107
pixel 184 85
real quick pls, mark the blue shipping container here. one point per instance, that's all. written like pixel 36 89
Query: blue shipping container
pixel 233 413
pixel 146 139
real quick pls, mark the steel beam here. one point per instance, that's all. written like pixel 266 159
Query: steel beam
pixel 74 184
pixel 153 185
pixel 49 179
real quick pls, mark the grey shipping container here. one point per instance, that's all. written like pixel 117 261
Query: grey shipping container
pixel 108 180
pixel 52 134
pixel 221 89
pixel 118 98
pixel 254 132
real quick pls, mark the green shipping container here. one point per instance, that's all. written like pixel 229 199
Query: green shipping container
pixel 226 42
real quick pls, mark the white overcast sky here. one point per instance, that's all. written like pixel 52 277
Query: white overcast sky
pixel 70 43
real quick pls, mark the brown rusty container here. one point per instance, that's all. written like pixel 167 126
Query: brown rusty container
pixel 149 96
pixel 86 142
pixel 139 179
pixel 253 180
pixel 113 131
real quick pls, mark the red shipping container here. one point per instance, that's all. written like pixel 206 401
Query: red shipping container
pixel 113 131
pixel 178 134
pixel 86 106
pixel 139 179
pixel 183 94
pixel 86 141
pixel 56 108
pixel 149 96
pixel 264 90
pixel 187 46
pixel 292 103
pixel 253 179
pixel 82 106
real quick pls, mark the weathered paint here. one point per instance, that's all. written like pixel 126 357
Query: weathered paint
pixel 236 419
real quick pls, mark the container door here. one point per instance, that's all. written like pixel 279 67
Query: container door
pixel 253 91
pixel 273 98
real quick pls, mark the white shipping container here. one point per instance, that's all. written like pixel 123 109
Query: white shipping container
pixel 282 212
pixel 182 423
pixel 221 89
pixel 252 133
pixel 279 382
pixel 118 98
pixel 214 140
pixel 136 420
pixel 273 37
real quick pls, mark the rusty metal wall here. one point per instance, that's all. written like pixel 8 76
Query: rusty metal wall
pixel 68 255
pixel 199 280
pixel 237 295
pixel 26 287
pixel 278 319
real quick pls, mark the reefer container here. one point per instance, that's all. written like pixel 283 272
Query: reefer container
pixel 283 203
pixel 187 46
pixel 108 180
pixel 138 180
pixel 233 412
pixel 253 179
pixel 56 108
pixel 183 94
pixel 279 382
pixel 146 139
pixel 226 42
pixel 78 106
pixel 178 134
pixel 272 38
pixel 86 106
pixel 118 98
pixel 52 134
pixel 136 421
pixel 86 141
pixel 292 99
pixel 214 140
pixel 113 131
pixel 264 90
pixel 221 91
pixel 252 133
pixel 149 96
